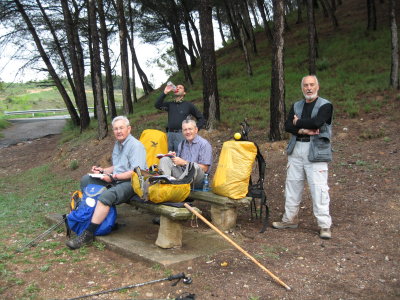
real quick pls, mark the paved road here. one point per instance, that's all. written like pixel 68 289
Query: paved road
pixel 30 129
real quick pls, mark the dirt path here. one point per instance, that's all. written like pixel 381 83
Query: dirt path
pixel 30 129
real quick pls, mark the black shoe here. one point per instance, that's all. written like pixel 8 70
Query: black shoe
pixel 156 220
pixel 86 238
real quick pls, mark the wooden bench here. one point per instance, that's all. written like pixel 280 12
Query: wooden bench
pixel 171 219
pixel 223 209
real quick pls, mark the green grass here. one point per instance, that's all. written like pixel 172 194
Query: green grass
pixel 25 203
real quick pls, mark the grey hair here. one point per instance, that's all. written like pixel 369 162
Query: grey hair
pixel 120 118
pixel 315 77
pixel 189 121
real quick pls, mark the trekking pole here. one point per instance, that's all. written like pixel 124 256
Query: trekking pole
pixel 179 276
pixel 35 241
pixel 237 247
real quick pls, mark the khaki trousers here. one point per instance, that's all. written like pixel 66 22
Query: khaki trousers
pixel 299 169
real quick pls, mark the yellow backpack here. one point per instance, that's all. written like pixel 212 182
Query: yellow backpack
pixel 159 188
pixel 231 179
pixel 155 142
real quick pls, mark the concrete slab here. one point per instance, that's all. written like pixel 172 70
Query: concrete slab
pixel 136 238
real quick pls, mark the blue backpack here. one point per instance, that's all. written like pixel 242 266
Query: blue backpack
pixel 82 209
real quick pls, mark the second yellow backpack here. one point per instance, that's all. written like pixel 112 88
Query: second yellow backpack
pixel 231 179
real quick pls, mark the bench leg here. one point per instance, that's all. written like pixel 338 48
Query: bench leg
pixel 224 218
pixel 169 234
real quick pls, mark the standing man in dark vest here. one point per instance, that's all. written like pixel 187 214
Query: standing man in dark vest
pixel 309 151
pixel 178 110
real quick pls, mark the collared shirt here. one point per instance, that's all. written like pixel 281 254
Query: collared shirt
pixel 128 155
pixel 198 151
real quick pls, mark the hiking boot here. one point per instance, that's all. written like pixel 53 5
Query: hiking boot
pixel 325 233
pixel 283 225
pixel 86 238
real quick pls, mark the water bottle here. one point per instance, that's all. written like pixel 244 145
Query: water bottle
pixel 169 83
pixel 206 186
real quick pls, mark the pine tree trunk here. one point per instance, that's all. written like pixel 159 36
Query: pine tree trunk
pixel 277 100
pixel 394 70
pixel 209 65
pixel 58 47
pixel 220 27
pixel 112 111
pixel 102 128
pixel 68 103
pixel 312 44
pixel 76 58
pixel 331 14
pixel 123 34
pixel 371 10
pixel 244 11
pixel 131 45
pixel 261 8
pixel 299 11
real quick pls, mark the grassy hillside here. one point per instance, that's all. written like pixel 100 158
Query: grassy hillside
pixel 352 65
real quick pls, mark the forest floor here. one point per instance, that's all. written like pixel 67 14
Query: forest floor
pixel 362 260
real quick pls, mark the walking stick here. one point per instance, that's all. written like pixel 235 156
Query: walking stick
pixel 237 247
pixel 41 236
pixel 179 276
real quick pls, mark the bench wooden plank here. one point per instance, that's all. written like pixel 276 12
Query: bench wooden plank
pixel 173 213
pixel 217 199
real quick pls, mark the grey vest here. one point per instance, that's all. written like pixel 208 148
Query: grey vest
pixel 320 145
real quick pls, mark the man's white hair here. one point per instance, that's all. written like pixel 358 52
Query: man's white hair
pixel 120 118
pixel 302 80
pixel 190 121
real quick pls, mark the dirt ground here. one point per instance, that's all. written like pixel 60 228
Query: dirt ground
pixel 361 261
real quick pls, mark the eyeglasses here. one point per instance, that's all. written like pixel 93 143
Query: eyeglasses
pixel 119 128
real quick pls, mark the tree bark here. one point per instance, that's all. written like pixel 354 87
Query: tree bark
pixel 261 8
pixel 123 33
pixel 394 70
pixel 180 50
pixel 193 52
pixel 196 33
pixel 209 66
pixel 277 100
pixel 76 57
pixel 112 110
pixel 253 12
pixel 131 46
pixel 221 32
pixel 244 12
pixel 312 41
pixel 58 47
pixel 102 128
pixel 68 103
pixel 232 22
pixel 371 10
pixel 331 13
pixel 299 11
pixel 245 52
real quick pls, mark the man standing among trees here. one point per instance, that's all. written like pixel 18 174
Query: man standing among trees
pixel 178 111
pixel 309 151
